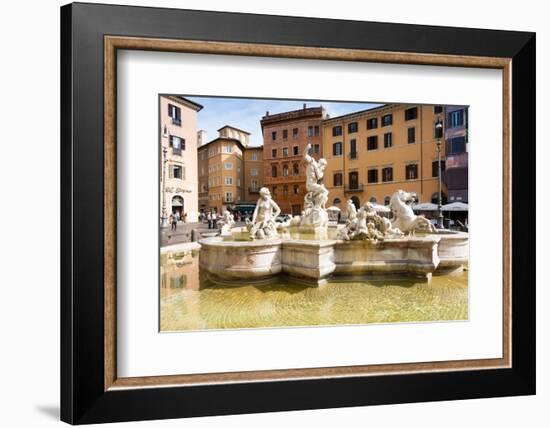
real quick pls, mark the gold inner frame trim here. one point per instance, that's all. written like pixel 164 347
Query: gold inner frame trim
pixel 113 43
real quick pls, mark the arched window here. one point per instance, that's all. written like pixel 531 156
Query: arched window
pixel 372 200
pixel 285 170
pixel 336 201
pixel 295 169
pixel 387 200
pixel 274 171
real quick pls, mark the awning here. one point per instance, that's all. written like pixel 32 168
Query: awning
pixel 426 206
pixel 455 206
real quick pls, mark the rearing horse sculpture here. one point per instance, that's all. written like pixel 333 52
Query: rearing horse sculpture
pixel 404 217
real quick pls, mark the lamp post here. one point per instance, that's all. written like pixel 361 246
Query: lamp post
pixel 439 133
pixel 164 215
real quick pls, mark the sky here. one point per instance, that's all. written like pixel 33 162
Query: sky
pixel 245 113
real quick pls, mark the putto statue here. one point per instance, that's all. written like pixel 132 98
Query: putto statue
pixel 366 224
pixel 263 221
pixel 228 223
pixel 404 217
pixel 315 214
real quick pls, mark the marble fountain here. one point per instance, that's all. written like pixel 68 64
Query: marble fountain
pixel 312 250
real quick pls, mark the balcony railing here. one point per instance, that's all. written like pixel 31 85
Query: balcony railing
pixel 352 155
pixel 356 188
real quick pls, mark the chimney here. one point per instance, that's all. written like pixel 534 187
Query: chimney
pixel 267 113
pixel 305 106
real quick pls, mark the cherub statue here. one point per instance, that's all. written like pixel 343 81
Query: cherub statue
pixel 228 223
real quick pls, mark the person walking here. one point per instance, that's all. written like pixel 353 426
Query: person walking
pixel 209 219
pixel 175 219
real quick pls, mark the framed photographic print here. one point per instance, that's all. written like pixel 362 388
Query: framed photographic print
pixel 265 213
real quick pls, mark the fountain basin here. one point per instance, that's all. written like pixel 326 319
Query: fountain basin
pixel 315 261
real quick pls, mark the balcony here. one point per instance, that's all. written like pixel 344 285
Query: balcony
pixel 356 188
pixel 456 160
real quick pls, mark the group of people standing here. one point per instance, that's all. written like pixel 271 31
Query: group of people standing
pixel 212 218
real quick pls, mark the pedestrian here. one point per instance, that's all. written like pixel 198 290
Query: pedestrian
pixel 175 218
pixel 209 219
pixel 185 217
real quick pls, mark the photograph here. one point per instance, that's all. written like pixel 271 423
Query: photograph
pixel 304 213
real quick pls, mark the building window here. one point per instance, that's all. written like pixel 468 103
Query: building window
pixel 177 144
pixel 296 189
pixel 310 131
pixel 388 140
pixel 372 123
pixel 273 153
pixel 254 185
pixel 175 114
pixel 411 171
pixel 274 170
pixel 337 149
pixel 387 174
pixel 229 181
pixel 274 135
pixel 227 149
pixel 295 169
pixel 239 182
pixel 295 133
pixel 295 150
pixel 337 179
pixel 274 190
pixel 254 156
pixel 372 142
pixel 455 145
pixel 316 130
pixel 177 171
pixel 254 172
pixel 229 197
pixel 285 151
pixel 438 131
pixel 285 134
pixel 411 135
pixel 336 201
pixel 455 119
pixel 353 179
pixel 411 113
pixel 336 131
pixel 316 148
pixel 435 169
pixel 285 170
pixel 372 176
pixel 285 190
pixel 387 120
pixel 353 149
pixel 352 127
pixel 438 109
pixel 228 165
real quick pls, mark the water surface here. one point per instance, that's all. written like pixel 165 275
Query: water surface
pixel 190 302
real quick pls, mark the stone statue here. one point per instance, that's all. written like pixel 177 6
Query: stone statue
pixel 404 217
pixel 315 214
pixel 263 221
pixel 366 224
pixel 228 223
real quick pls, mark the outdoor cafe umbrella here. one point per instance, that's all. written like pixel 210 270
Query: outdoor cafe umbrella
pixel 425 206
pixel 455 206
pixel 333 208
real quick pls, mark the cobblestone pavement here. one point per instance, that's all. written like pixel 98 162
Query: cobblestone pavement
pixel 184 233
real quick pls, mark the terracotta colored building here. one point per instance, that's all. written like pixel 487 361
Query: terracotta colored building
pixel 221 170
pixel 456 150
pixel 373 153
pixel 253 172
pixel 285 138
pixel 178 128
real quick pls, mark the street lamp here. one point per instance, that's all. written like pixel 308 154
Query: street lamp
pixel 164 215
pixel 439 134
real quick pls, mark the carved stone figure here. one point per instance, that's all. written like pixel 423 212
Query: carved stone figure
pixel 228 223
pixel 263 220
pixel 366 224
pixel 315 214
pixel 404 217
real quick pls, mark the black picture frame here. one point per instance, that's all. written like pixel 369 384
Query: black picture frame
pixel 83 398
